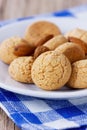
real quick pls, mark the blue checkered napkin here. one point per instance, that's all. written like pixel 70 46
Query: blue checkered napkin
pixel 31 113
pixel 38 114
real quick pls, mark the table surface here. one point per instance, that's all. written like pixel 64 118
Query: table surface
pixel 19 8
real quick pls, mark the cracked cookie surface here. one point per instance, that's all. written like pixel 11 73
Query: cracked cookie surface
pixel 20 69
pixel 78 78
pixel 51 71
pixel 7 49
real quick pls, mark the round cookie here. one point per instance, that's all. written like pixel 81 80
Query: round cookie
pixel 7 49
pixel 78 36
pixel 78 33
pixel 51 71
pixel 78 77
pixel 73 51
pixel 40 32
pixel 20 69
pixel 55 42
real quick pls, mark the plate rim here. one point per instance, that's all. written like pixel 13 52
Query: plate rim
pixel 44 94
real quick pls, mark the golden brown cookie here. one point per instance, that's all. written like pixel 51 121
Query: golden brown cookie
pixel 20 69
pixel 7 47
pixel 23 49
pixel 78 36
pixel 78 41
pixel 40 32
pixel 51 71
pixel 50 45
pixel 78 77
pixel 39 50
pixel 73 51
pixel 55 42
pixel 78 33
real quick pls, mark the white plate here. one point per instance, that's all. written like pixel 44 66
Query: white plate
pixel 18 28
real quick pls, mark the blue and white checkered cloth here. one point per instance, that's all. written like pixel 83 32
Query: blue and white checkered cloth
pixel 31 113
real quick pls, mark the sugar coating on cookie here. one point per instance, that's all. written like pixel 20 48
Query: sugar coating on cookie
pixel 78 78
pixel 40 32
pixel 73 51
pixel 7 49
pixel 20 69
pixel 55 42
pixel 51 71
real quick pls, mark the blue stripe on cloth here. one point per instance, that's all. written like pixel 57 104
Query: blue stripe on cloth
pixel 18 118
pixel 9 95
pixel 31 118
pixel 56 103
pixel 69 112
pixel 3 23
pixel 25 18
pixel 2 98
pixel 63 14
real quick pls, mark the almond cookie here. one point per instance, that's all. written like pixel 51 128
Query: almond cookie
pixel 78 36
pixel 20 69
pixel 55 42
pixel 75 32
pixel 78 77
pixel 23 48
pixel 7 54
pixel 51 71
pixel 73 51
pixel 40 32
pixel 39 50
pixel 50 45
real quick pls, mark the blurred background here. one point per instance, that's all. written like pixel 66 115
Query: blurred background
pixel 21 8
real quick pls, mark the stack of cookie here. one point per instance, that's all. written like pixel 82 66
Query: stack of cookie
pixel 46 57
